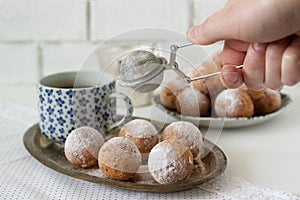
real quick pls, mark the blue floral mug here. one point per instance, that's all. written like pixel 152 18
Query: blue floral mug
pixel 73 99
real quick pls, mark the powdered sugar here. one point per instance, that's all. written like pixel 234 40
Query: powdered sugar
pixel 83 139
pixel 192 102
pixel 139 128
pixel 139 65
pixel 167 164
pixel 121 154
pixel 229 97
pixel 186 133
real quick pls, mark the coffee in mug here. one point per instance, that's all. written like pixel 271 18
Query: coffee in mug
pixel 71 100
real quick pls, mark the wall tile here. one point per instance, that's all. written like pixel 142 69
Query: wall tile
pixel 18 64
pixel 203 9
pixel 111 17
pixel 64 57
pixel 23 20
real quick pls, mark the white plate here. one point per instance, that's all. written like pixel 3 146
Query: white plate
pixel 228 122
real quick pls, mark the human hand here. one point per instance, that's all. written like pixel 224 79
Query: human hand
pixel 262 35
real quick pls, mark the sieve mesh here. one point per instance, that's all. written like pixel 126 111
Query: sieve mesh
pixel 142 71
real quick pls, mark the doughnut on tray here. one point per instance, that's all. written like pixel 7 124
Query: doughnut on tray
pixel 225 122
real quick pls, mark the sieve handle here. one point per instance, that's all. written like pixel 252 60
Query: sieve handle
pixel 174 66
pixel 172 62
pixel 212 74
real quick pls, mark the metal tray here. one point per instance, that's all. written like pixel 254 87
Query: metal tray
pixel 224 122
pixel 51 154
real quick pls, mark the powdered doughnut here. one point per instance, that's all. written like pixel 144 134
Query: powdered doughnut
pixel 170 91
pixel 254 94
pixel 170 162
pixel 268 102
pixel 142 133
pixel 210 86
pixel 185 133
pixel 233 103
pixel 217 59
pixel 192 102
pixel 82 146
pixel 119 158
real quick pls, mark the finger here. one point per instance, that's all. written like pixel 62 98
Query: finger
pixel 290 72
pixel 274 54
pixel 234 52
pixel 231 77
pixel 254 66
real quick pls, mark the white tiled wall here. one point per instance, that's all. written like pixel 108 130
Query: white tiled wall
pixel 40 37
pixel 203 9
pixel 49 20
pixel 19 63
pixel 110 17
pixel 64 56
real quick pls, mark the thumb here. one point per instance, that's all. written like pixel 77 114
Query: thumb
pixel 211 31
pixel 238 20
pixel 234 21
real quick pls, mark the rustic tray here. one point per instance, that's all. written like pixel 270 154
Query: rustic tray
pixel 51 154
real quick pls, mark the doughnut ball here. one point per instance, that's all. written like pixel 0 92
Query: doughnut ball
pixel 192 102
pixel 119 158
pixel 170 91
pixel 217 59
pixel 82 146
pixel 254 94
pixel 185 133
pixel 170 162
pixel 268 102
pixel 142 133
pixel 233 103
pixel 210 86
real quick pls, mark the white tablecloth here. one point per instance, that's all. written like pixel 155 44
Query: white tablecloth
pixel 23 177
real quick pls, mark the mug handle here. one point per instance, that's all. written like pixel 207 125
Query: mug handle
pixel 129 109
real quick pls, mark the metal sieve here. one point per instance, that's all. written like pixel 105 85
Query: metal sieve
pixel 142 71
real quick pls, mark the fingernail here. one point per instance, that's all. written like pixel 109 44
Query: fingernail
pixel 193 33
pixel 230 77
pixel 259 46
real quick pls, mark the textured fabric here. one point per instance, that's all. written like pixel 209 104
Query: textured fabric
pixel 23 177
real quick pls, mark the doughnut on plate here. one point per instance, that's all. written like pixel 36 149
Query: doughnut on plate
pixel 225 122
pixel 51 154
